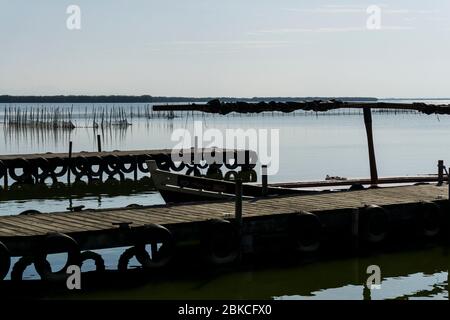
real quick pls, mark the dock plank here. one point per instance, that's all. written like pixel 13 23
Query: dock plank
pixel 95 220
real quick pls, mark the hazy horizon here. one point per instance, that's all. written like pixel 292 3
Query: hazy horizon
pixel 231 48
pixel 226 97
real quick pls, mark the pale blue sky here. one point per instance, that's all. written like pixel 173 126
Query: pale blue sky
pixel 226 48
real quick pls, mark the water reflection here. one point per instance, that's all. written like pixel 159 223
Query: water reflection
pixel 90 201
pixel 421 274
pixel 410 287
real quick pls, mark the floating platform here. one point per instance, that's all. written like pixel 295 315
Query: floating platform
pixel 306 222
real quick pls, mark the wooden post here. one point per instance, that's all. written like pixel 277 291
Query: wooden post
pixel 238 204
pixel 195 157
pixel 264 180
pixel 372 160
pixel 448 182
pixel 99 149
pixel 440 172
pixel 69 164
pixel 99 143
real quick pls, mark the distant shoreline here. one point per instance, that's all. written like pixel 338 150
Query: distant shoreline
pixel 155 99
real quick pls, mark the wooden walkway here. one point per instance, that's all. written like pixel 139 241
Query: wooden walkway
pixel 50 155
pixel 101 220
pixel 64 167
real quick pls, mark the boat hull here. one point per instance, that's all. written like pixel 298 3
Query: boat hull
pixel 178 188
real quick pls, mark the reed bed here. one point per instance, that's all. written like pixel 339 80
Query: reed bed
pixel 58 117
pixel 42 118
pixel 54 117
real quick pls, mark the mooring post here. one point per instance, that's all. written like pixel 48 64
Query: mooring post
pixel 69 164
pixel 238 204
pixel 264 179
pixel 99 143
pixel 440 172
pixel 194 156
pixel 448 182
pixel 372 160
pixel 447 172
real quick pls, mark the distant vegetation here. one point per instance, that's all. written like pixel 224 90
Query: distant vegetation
pixel 56 117
pixel 152 99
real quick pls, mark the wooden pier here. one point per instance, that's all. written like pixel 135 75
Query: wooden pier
pixel 306 222
pixel 28 169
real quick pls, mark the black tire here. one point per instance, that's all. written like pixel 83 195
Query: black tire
pixel 99 262
pixel 5 261
pixel 134 206
pixel 20 266
pixel 221 242
pixel 430 219
pixel 154 234
pixel 305 230
pixel 125 258
pixel 356 187
pixel 373 224
pixel 227 157
pixel 57 243
pixel 29 212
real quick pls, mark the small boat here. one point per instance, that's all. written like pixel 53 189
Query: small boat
pixel 177 188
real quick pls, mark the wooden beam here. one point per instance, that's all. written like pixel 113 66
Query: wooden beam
pixel 99 143
pixel 440 172
pixel 316 106
pixel 349 182
pixel 372 160
pixel 264 180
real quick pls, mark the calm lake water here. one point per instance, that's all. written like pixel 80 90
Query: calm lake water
pixel 310 147
pixel 420 274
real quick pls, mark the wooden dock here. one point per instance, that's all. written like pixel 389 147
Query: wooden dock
pixel 32 169
pixel 102 220
pixel 97 229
